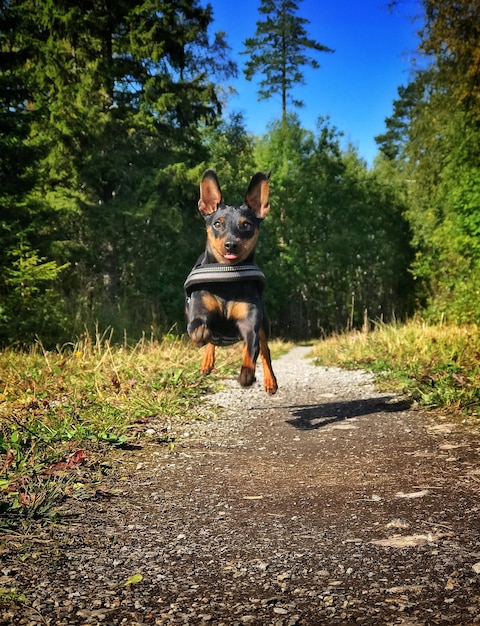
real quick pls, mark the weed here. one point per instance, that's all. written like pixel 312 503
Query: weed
pixel 7 596
pixel 58 406
pixel 32 500
pixel 438 366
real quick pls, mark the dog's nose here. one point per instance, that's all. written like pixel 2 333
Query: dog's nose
pixel 231 245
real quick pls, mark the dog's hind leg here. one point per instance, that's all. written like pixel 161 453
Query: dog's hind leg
pixel 250 352
pixel 269 380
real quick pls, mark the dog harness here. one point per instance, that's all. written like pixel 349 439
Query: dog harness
pixel 203 275
pixel 221 273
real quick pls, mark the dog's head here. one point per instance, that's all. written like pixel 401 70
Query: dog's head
pixel 232 231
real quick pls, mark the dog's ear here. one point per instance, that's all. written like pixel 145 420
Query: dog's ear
pixel 257 194
pixel 210 193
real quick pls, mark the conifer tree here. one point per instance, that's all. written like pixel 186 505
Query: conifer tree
pixel 103 100
pixel 278 51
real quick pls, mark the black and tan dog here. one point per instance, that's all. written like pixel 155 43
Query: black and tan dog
pixel 224 291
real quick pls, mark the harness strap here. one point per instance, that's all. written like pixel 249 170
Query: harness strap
pixel 220 272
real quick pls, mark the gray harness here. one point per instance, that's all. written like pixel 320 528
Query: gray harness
pixel 222 273
pixel 203 275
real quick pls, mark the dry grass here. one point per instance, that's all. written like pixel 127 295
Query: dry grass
pixel 438 366
pixel 62 410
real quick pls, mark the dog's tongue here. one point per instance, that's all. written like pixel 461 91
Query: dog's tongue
pixel 230 257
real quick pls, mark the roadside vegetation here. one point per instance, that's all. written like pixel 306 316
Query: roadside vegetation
pixel 63 411
pixel 437 366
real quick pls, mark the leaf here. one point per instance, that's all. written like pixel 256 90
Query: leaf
pixel 461 380
pixel 9 461
pixel 72 461
pixel 25 500
pixel 133 580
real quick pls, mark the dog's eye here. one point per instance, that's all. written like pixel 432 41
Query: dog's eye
pixel 247 225
pixel 217 224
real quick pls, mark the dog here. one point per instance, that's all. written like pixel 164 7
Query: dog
pixel 224 291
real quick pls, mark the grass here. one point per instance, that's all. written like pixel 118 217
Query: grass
pixel 437 366
pixel 61 412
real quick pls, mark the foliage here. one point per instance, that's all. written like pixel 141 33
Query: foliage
pixel 432 144
pixel 105 106
pixel 108 120
pixel 451 33
pixel 335 243
pixel 31 301
pixel 61 410
pixel 231 153
pixel 438 366
pixel 278 51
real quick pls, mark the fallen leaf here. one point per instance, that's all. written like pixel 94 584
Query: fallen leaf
pixel 398 523
pixel 76 458
pixel 440 428
pixel 405 589
pixel 476 568
pixel 461 380
pixel 133 580
pixel 73 460
pixel 26 500
pixel 9 460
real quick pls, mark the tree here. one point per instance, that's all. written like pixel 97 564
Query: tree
pixel 392 143
pixel 335 243
pixel 452 34
pixel 278 51
pixel 432 144
pixel 102 100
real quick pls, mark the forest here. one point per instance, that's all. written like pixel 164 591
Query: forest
pixel 110 113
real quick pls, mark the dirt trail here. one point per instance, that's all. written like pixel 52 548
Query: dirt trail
pixel 327 504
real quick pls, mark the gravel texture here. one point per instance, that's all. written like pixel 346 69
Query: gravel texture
pixel 329 503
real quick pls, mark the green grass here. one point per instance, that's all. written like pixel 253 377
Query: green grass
pixel 62 411
pixel 437 366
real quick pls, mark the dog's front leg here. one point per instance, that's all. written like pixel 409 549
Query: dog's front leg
pixel 208 361
pixel 197 327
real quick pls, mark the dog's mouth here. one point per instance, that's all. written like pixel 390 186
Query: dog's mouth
pixel 229 256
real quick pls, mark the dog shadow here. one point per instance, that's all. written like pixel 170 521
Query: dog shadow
pixel 313 417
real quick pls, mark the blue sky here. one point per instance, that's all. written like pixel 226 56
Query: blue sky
pixel 355 86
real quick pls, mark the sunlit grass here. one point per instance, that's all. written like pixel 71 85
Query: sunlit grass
pixel 438 366
pixel 65 408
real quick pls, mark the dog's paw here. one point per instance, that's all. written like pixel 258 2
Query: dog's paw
pixel 246 377
pixel 270 385
pixel 200 335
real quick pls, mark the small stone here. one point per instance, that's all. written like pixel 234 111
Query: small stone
pixel 280 610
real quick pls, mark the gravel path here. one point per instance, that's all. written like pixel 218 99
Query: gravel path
pixel 329 503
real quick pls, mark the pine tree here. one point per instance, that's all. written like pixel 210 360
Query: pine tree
pixel 278 51
pixel 113 95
